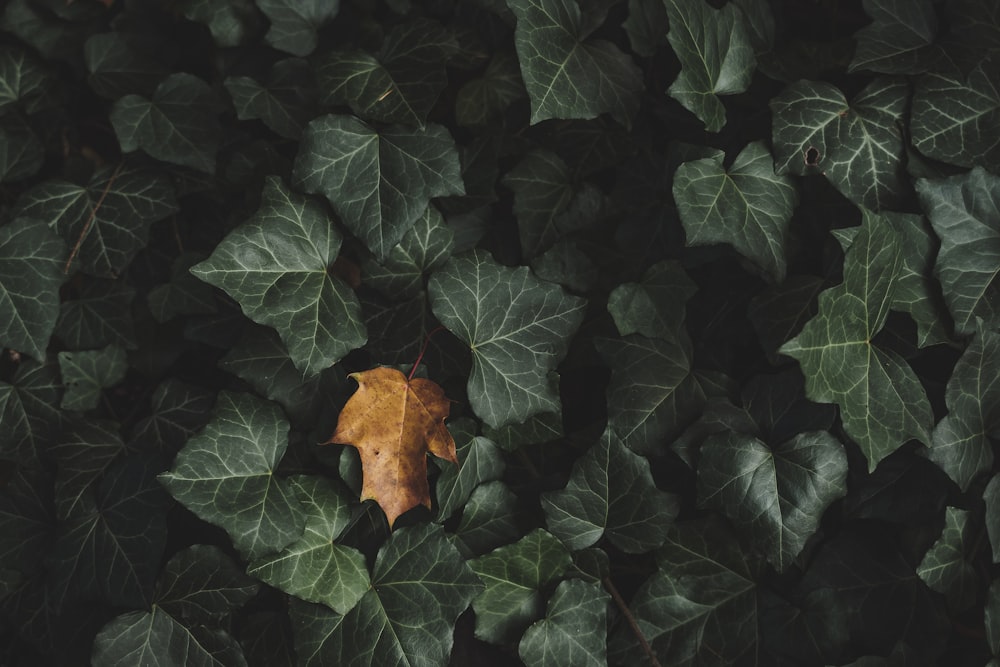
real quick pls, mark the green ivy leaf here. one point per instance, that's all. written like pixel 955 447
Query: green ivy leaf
pixel 400 83
pixel 201 584
pixel 945 567
pixel 716 57
pixel 958 121
pixel 26 520
pixel 963 210
pixel 778 313
pixel 184 294
pixel 277 267
pixel 543 191
pixel 991 620
pixel 112 545
pixel 540 428
pixel 960 443
pixel 82 455
pixel 566 74
pixel 655 306
pixel 610 492
pixel 896 41
pixel 21 152
pixel 225 475
pixel 178 124
pixel 479 461
pixel 425 247
pixel 314 567
pixel 231 22
pixel 857 146
pixel 86 372
pixel 179 411
pixel 775 496
pixel 294 22
pixel 420 585
pixel 283 98
pixel 54 39
pixel 513 575
pixel 260 359
pixel 155 638
pixel 31 271
pixel 646 25
pixel 486 98
pixel 699 605
pixel 652 391
pixel 489 519
pixel 991 496
pixel 27 84
pixel 99 316
pixel 747 206
pixel 108 220
pixel 379 182
pixel 518 328
pixel 882 402
pixel 29 411
pixel 117 69
pixel 917 293
pixel 574 630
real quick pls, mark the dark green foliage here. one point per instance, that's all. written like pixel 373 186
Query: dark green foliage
pixel 712 287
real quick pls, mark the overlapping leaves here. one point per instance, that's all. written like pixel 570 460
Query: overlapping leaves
pixel 960 443
pixel 107 221
pixel 378 181
pixel 700 603
pixel 881 400
pixel 611 492
pixel 419 586
pixel 517 171
pixel 277 267
pixel 716 57
pixel 398 84
pixel 963 210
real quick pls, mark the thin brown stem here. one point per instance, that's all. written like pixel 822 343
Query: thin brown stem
pixel 91 217
pixel 427 340
pixel 630 619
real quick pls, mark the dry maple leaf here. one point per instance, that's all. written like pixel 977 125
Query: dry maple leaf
pixel 394 421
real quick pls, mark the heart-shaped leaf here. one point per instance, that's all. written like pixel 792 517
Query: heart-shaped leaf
pixel 178 124
pixel 775 494
pixel 518 328
pixel 747 206
pixel 568 75
pixel 225 475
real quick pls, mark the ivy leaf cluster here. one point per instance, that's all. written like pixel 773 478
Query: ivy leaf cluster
pixel 710 287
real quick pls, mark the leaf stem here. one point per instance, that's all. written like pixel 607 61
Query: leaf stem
pixel 90 218
pixel 427 340
pixel 623 607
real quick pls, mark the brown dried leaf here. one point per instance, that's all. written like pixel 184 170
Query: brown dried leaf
pixel 394 421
